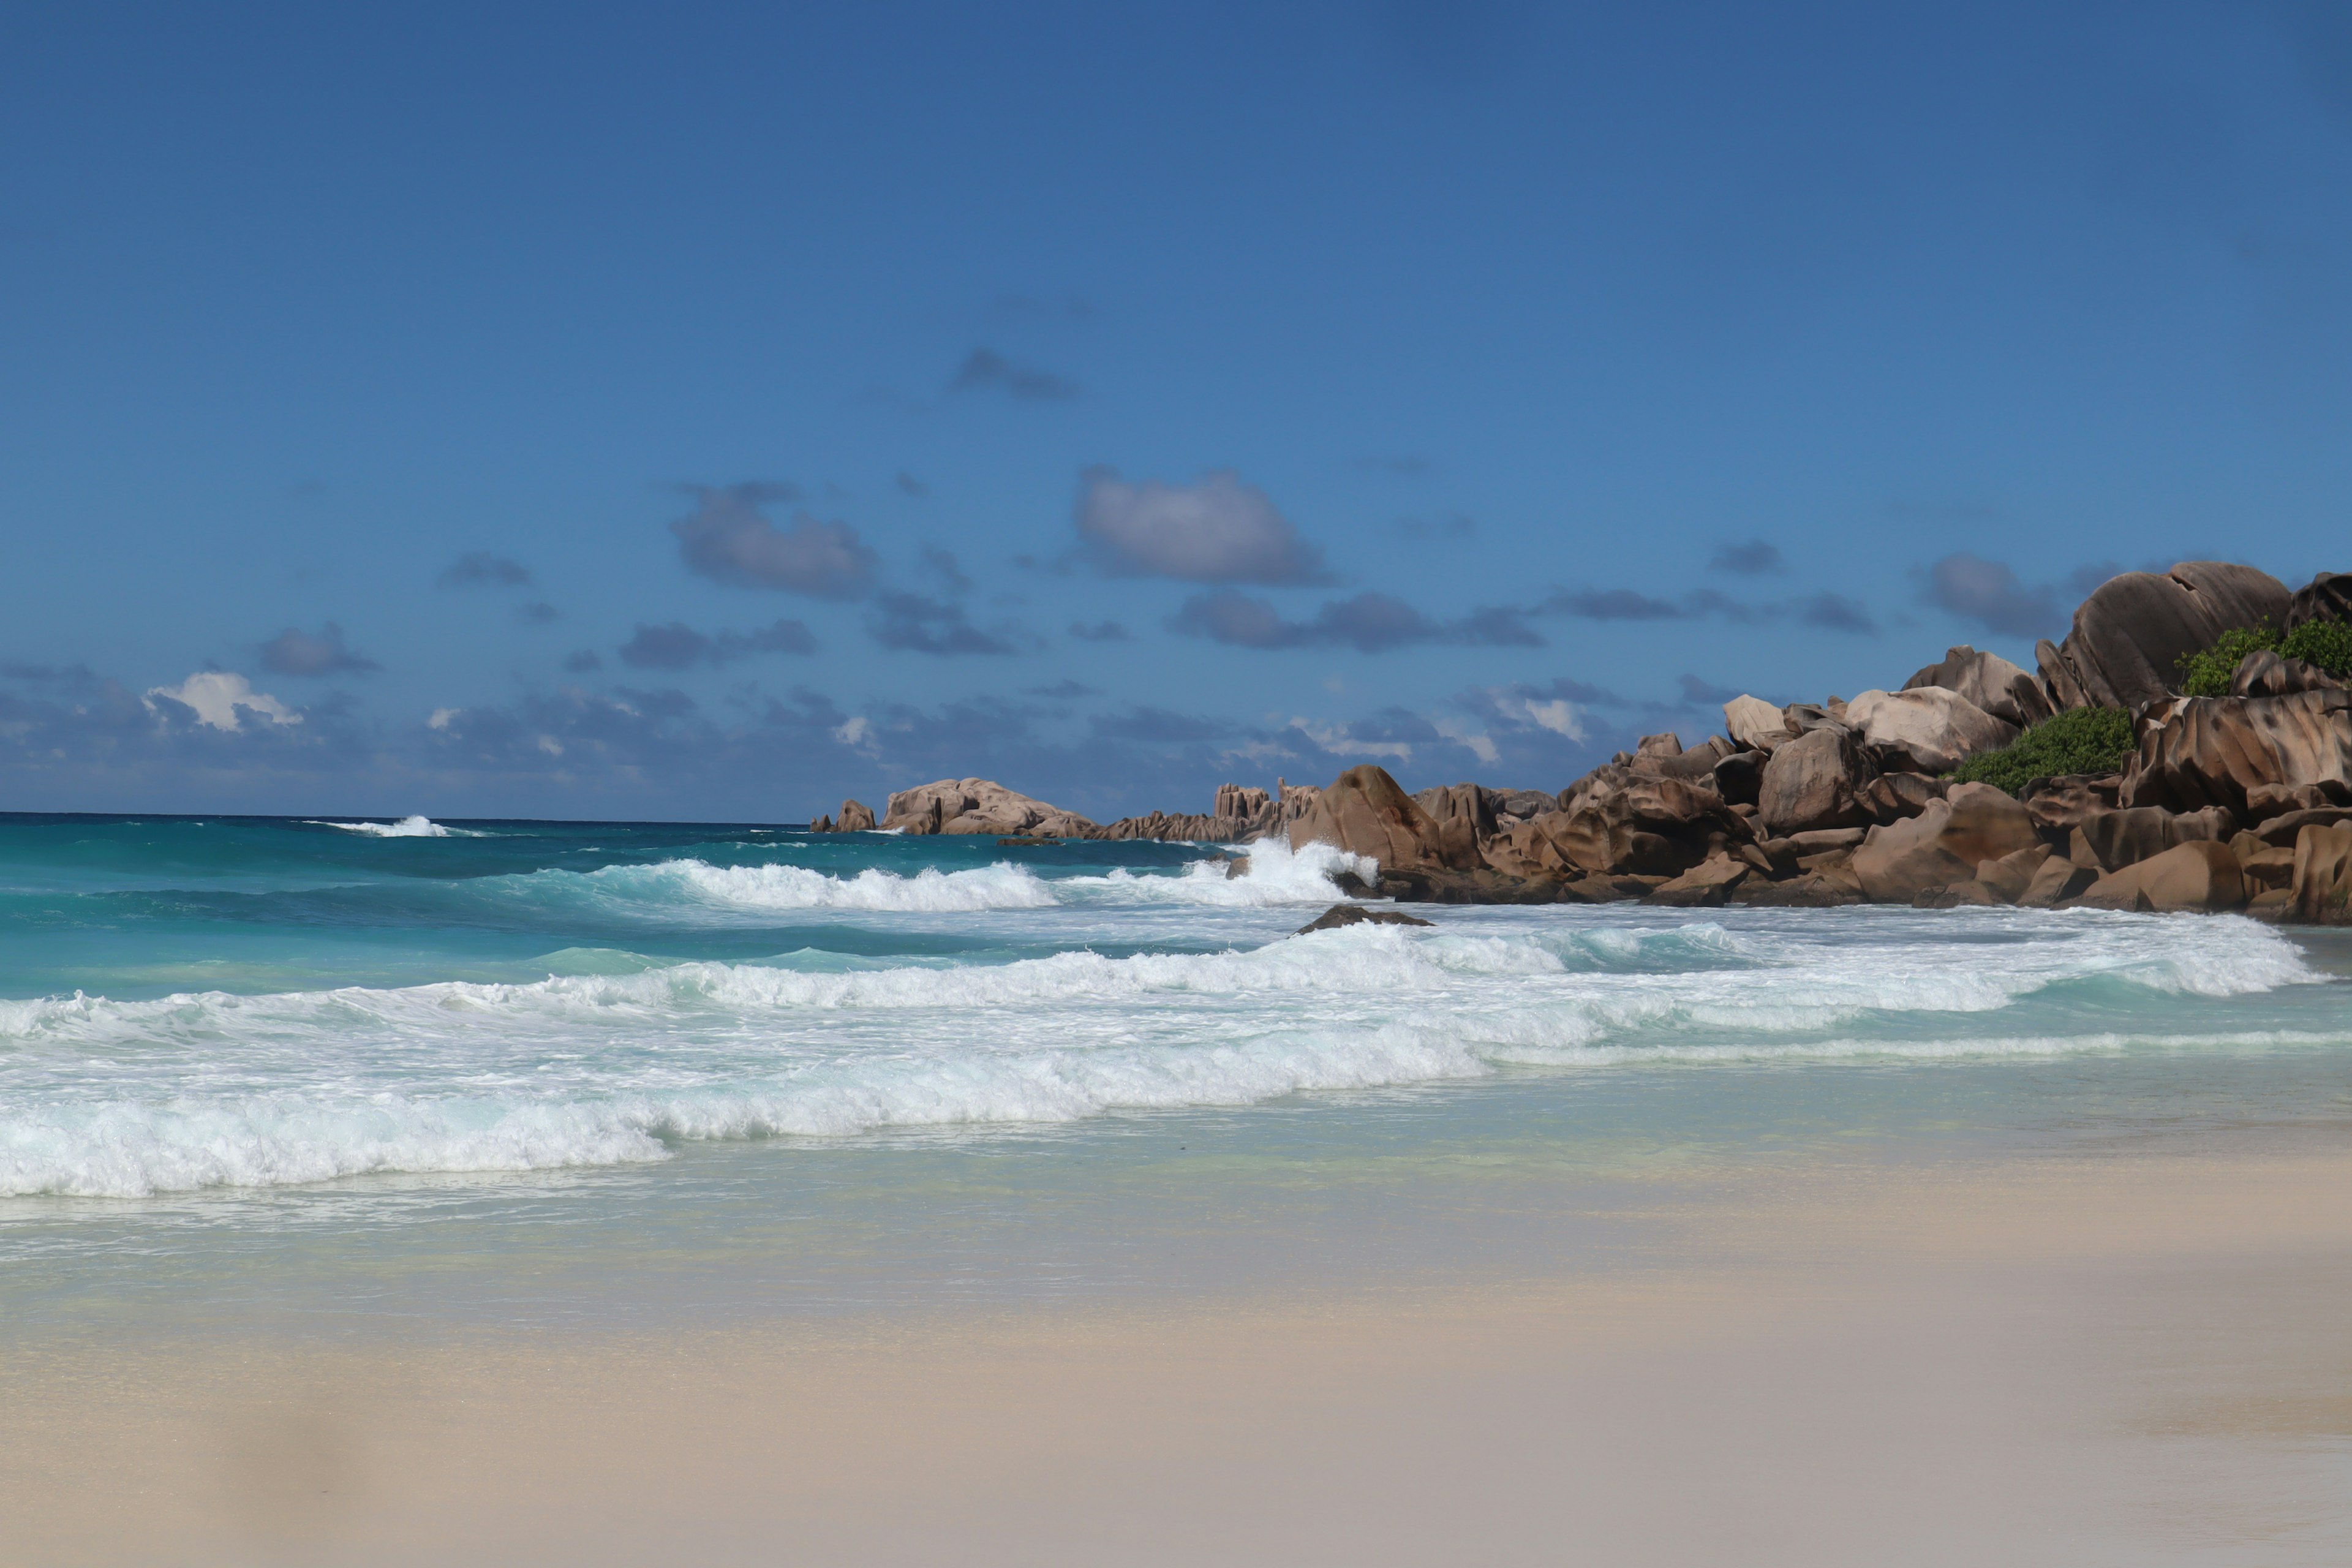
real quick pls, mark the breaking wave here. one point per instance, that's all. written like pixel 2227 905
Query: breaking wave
pixel 406 828
pixel 204 1089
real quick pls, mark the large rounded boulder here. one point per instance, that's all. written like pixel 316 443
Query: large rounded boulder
pixel 1816 781
pixel 1931 727
pixel 1943 844
pixel 2130 634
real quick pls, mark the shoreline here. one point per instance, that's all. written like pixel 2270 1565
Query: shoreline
pixel 2129 1357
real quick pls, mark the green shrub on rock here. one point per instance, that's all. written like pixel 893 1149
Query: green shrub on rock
pixel 2323 645
pixel 2208 674
pixel 2079 740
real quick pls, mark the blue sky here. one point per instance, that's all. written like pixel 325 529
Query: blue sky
pixel 711 412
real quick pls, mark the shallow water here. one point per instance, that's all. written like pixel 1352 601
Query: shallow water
pixel 529 1072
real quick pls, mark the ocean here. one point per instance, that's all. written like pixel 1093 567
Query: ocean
pixel 329 1073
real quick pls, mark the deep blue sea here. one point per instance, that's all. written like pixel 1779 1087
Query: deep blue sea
pixel 219 1031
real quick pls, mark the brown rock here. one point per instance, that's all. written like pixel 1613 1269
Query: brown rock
pixel 1706 884
pixel 2129 634
pixel 1798 893
pixel 1365 813
pixel 2326 597
pixel 1942 845
pixel 822 825
pixel 977 806
pixel 1927 729
pixel 1465 815
pixel 1754 722
pixel 1245 803
pixel 2266 801
pixel 1814 780
pixel 2284 830
pixel 2265 674
pixel 2070 799
pixel 1992 683
pixel 1957 895
pixel 855 817
pixel 1666 745
pixel 1740 777
pixel 2014 873
pixel 2120 838
pixel 2264 865
pixel 2201 876
pixel 1891 797
pixel 2058 879
pixel 1339 915
pixel 2320 891
pixel 1522 804
pixel 2196 752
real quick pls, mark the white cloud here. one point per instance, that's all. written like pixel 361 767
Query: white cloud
pixel 219 698
pixel 1335 738
pixel 857 733
pixel 441 717
pixel 1482 747
pixel 1557 715
pixel 1218 530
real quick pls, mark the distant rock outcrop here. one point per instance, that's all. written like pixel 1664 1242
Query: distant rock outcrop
pixel 2129 635
pixel 2242 800
pixel 980 807
pixel 856 816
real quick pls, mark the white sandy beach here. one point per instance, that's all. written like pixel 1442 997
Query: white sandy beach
pixel 2132 1359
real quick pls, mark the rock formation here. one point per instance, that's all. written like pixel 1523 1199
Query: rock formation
pixel 855 817
pixel 2265 674
pixel 2129 635
pixel 2321 889
pixel 1814 780
pixel 2196 752
pixel 2242 800
pixel 1942 845
pixel 1990 681
pixel 1925 728
pixel 2326 597
pixel 2202 875
pixel 979 806
pixel 1365 813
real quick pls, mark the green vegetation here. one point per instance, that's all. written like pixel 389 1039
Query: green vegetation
pixel 2079 740
pixel 2324 645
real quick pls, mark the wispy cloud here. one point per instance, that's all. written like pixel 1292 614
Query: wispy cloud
pixel 323 652
pixel 1370 623
pixel 1215 529
pixel 985 370
pixel 678 646
pixel 479 568
pixel 728 538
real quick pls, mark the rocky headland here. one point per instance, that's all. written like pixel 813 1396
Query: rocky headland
pixel 2174 752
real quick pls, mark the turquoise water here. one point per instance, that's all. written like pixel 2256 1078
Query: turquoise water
pixel 863 1066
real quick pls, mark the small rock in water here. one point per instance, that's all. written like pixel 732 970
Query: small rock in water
pixel 1339 915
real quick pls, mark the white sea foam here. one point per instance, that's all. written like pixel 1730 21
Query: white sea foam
pixel 406 828
pixel 1276 876
pixel 101 1096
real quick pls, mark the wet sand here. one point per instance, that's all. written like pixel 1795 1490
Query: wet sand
pixel 2127 1359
